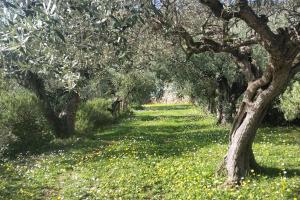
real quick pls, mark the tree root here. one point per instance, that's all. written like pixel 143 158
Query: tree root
pixel 221 170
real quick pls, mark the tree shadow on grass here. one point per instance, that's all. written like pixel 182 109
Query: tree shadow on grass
pixel 169 131
pixel 140 141
pixel 278 135
pixel 164 141
pixel 276 172
pixel 117 132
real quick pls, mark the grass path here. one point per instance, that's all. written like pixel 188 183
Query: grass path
pixel 162 152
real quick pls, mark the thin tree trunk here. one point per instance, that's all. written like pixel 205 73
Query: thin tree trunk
pixel 71 109
pixel 220 104
pixel 220 112
pixel 211 101
pixel 229 110
pixel 115 108
pixel 209 105
pixel 213 105
pixel 222 91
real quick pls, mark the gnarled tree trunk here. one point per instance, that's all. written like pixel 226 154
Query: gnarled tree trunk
pixel 258 96
pixel 63 122
pixel 283 47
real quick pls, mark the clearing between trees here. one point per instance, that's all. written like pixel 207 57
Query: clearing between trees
pixel 161 152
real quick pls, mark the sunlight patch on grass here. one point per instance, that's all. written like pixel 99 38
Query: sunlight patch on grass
pixel 163 152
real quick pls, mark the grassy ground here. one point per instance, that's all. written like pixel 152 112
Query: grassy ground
pixel 163 152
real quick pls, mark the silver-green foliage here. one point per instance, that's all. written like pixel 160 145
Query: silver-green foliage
pixel 290 102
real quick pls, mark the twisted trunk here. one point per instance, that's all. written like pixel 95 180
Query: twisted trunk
pixel 284 54
pixel 258 96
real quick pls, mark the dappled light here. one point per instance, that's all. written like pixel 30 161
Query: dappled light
pixel 159 152
pixel 150 99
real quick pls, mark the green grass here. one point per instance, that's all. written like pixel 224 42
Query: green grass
pixel 162 152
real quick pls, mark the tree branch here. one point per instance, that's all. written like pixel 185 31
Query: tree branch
pixel 258 23
pixel 218 9
pixel 249 42
pixel 240 52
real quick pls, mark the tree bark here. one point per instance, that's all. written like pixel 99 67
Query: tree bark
pixel 63 122
pixel 222 93
pixel 211 104
pixel 227 97
pixel 258 96
pixel 230 109
pixel 282 46
pixel 115 108
pixel 124 105
pixel 220 112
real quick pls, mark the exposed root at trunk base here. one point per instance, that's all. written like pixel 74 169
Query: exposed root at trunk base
pixel 248 165
pixel 221 170
pixel 229 185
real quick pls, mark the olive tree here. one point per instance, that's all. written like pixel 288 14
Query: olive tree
pixel 217 32
pixel 55 48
